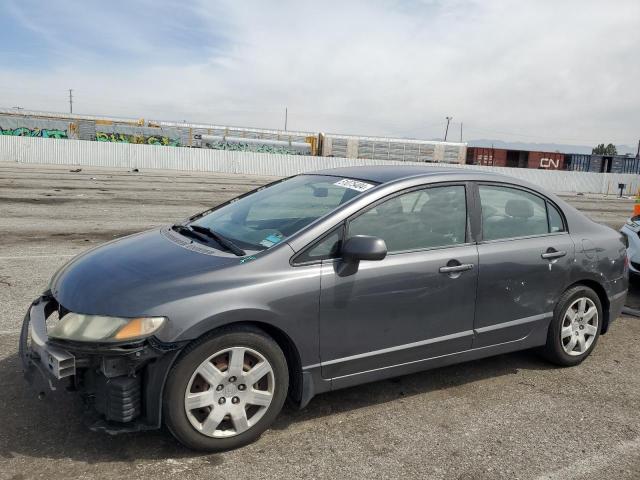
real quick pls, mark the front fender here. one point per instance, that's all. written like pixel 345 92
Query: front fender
pixel 229 317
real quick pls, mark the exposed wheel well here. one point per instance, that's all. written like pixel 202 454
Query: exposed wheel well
pixel 284 342
pixel 602 295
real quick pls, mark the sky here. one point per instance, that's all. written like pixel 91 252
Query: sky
pixel 530 71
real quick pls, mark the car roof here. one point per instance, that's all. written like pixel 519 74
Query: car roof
pixel 390 173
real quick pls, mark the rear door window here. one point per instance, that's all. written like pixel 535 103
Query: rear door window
pixel 512 213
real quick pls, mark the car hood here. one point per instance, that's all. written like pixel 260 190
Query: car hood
pixel 135 275
pixel 633 225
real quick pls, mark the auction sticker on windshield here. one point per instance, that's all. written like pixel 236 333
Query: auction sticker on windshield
pixel 271 240
pixel 354 184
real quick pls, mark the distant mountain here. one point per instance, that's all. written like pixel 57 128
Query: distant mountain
pixel 545 147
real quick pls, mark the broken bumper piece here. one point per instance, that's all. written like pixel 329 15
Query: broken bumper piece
pixel 122 383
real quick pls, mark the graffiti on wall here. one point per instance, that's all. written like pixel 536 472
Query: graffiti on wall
pixel 34 132
pixel 245 147
pixel 139 139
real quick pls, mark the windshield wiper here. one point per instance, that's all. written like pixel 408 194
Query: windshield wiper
pixel 188 232
pixel 225 242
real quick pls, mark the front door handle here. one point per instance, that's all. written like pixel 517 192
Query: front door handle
pixel 456 268
pixel 551 254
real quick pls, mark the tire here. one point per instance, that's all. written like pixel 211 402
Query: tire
pixel 574 321
pixel 212 373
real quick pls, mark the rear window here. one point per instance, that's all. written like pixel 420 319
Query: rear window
pixel 512 213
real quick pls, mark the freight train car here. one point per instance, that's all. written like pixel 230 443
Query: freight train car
pixel 618 163
pixel 603 163
pixel 82 127
pixel 500 157
pixel 486 156
pixel 16 126
pixel 250 139
pixel 395 149
pixel 578 162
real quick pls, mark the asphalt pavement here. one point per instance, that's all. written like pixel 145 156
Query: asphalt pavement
pixel 512 416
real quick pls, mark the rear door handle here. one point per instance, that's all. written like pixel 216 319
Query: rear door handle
pixel 553 254
pixel 456 268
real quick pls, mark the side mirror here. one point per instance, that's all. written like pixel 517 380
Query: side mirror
pixel 364 247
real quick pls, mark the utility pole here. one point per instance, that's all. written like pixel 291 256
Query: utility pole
pixel 638 152
pixel 286 115
pixel 70 100
pixel 460 132
pixel 447 130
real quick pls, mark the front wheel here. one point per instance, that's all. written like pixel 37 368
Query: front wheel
pixel 226 390
pixel 575 327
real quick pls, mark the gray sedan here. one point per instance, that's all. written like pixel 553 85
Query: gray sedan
pixel 319 282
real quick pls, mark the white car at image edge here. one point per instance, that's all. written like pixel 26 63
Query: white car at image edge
pixel 631 229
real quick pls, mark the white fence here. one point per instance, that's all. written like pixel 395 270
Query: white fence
pixel 121 155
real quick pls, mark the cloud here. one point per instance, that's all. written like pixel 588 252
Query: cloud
pixel 535 71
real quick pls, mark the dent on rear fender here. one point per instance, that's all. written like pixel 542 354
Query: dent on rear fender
pixel 599 266
pixel 602 255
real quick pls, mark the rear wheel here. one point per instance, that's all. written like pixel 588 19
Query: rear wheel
pixel 225 391
pixel 575 328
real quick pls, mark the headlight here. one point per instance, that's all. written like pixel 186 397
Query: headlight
pixel 92 328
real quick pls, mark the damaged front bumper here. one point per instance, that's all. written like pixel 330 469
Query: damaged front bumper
pixel 44 366
pixel 122 383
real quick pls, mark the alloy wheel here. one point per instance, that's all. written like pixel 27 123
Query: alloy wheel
pixel 579 326
pixel 229 392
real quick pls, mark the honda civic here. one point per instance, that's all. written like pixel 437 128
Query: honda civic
pixel 315 283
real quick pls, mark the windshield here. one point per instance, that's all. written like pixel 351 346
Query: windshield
pixel 268 216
